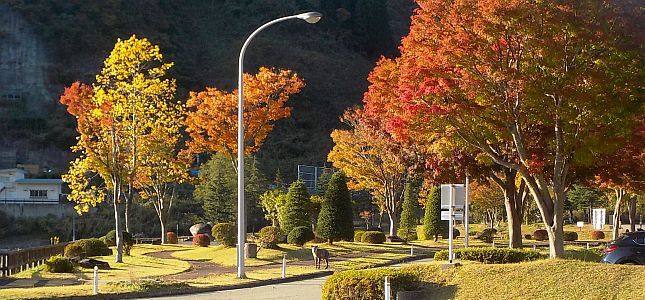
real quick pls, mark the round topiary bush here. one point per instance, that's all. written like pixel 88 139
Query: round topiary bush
pixel 224 233
pixel 93 247
pixel 569 236
pixel 358 235
pixel 270 236
pixel 201 240
pixel 171 237
pixel 540 235
pixel 300 235
pixel 597 235
pixel 373 237
pixel 74 250
pixel 59 264
pixel 528 236
pixel 486 235
pixel 110 238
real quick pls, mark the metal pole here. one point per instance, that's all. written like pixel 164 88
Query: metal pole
pixel 241 217
pixel 388 295
pixel 451 211
pixel 466 203
pixel 96 280
pixel 284 266
pixel 74 226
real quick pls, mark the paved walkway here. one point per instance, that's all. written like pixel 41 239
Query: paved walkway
pixel 310 289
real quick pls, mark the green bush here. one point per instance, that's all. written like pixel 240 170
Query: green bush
pixel 87 248
pixel 570 236
pixel 335 220
pixel 59 264
pixel 74 250
pixel 597 235
pixel 432 224
pixel 296 207
pixel 270 236
pixel 367 284
pixel 540 235
pixel 373 237
pixel 224 233
pixel 528 236
pixel 358 235
pixel 491 255
pixel 110 240
pixel 300 235
pixel 407 234
pixel 486 235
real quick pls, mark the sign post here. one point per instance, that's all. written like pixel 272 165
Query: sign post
pixel 454 198
pixel 598 219
pixel 466 202
pixel 450 218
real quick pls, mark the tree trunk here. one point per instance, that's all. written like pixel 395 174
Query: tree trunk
pixel 551 211
pixel 380 220
pixel 632 213
pixel 616 217
pixel 513 202
pixel 164 238
pixel 394 223
pixel 117 225
pixel 126 214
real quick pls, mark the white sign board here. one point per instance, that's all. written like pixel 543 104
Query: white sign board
pixel 445 216
pixel 459 196
pixel 598 218
pixel 580 224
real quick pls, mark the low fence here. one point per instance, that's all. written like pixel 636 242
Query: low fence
pixel 12 262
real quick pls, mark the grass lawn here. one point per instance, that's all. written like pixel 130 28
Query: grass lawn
pixel 542 279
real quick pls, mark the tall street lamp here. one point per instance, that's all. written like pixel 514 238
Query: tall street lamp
pixel 309 17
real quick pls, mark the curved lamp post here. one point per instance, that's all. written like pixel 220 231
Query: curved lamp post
pixel 309 17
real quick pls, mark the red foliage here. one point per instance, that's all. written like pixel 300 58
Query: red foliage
pixel 201 240
pixel 171 237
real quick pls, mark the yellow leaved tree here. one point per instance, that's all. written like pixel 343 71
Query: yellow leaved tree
pixel 118 119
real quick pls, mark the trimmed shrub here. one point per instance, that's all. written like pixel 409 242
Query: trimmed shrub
pixel 366 284
pixel 540 235
pixel 201 240
pixel 373 237
pixel 74 250
pixel 486 235
pixel 570 236
pixel 597 235
pixel 491 255
pixel 407 234
pixel 455 233
pixel 59 264
pixel 224 233
pixel 358 235
pixel 171 237
pixel 270 236
pixel 128 241
pixel 528 236
pixel 93 247
pixel 300 235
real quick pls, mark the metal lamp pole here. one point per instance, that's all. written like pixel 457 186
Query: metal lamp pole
pixel 309 17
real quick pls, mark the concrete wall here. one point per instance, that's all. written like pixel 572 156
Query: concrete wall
pixel 35 210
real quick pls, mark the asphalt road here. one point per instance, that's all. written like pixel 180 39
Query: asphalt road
pixel 310 289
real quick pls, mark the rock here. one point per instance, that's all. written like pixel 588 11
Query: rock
pixel 201 228
pixel 89 263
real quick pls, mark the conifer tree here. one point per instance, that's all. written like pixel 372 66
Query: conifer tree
pixel 297 207
pixel 335 220
pixel 432 225
pixel 408 225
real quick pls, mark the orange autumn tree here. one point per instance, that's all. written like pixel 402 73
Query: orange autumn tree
pixel 212 118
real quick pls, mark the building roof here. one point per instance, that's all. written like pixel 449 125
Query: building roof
pixel 36 180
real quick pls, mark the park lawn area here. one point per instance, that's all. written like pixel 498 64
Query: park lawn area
pixel 135 266
pixel 226 255
pixel 542 279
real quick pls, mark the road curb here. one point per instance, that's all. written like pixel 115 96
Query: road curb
pixel 194 290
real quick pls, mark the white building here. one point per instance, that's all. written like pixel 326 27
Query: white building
pixel 15 188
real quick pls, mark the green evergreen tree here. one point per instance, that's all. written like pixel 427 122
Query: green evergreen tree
pixel 408 223
pixel 215 191
pixel 297 207
pixel 432 224
pixel 335 220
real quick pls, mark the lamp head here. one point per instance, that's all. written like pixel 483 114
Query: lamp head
pixel 310 17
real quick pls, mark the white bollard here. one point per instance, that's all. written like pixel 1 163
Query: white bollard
pixel 411 250
pixel 587 245
pixel 284 266
pixel 96 280
pixel 534 247
pixel 387 289
pixel 493 244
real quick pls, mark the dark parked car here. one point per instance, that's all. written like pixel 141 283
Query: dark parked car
pixel 627 249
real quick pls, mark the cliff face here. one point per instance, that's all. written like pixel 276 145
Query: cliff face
pixel 48 44
pixel 23 66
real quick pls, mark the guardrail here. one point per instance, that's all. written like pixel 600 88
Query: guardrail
pixel 30 201
pixel 12 262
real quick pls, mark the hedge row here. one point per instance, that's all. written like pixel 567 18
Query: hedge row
pixel 367 284
pixel 491 255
